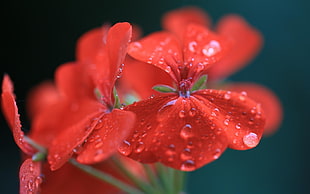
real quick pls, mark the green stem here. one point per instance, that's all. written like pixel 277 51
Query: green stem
pixel 35 145
pixel 105 177
pixel 179 181
pixel 153 178
pixel 138 182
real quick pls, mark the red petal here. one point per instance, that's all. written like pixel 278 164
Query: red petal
pixel 11 115
pixel 29 176
pixel 175 131
pixel 239 116
pixel 150 75
pixel 247 42
pixel 176 21
pixel 110 131
pixel 69 179
pixel 73 81
pixel 64 144
pixel 269 101
pixel 109 62
pixel 161 49
pixel 202 47
pixel 90 44
pixel 40 97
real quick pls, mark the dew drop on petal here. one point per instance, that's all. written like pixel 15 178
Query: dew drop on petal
pixel 186 131
pixel 186 154
pixel 226 122
pixel 217 153
pixel 38 180
pixel 192 112
pixel 211 49
pixel 192 46
pixel 125 148
pixel 238 126
pixel 135 46
pixel 182 114
pixel 251 140
pixel 227 95
pixel 188 165
pixel 140 147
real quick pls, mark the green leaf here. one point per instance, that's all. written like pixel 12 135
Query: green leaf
pixel 164 89
pixel 200 83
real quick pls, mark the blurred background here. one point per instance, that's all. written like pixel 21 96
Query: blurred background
pixel 37 36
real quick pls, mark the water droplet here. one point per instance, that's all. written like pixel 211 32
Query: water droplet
pixel 192 46
pixel 186 154
pixel 99 124
pixel 192 112
pixel 125 148
pixel 168 69
pixel 238 125
pixel 99 143
pixel 251 140
pixel 253 110
pixel 242 96
pixel 77 149
pixel 140 147
pixel 226 122
pixel 38 180
pixel 135 46
pixel 188 165
pixel 182 114
pixel 30 185
pixel 186 131
pixel 217 153
pixel 211 49
pixel 227 95
pixel 31 167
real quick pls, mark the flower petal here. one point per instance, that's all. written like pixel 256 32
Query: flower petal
pixel 162 49
pixel 74 82
pixel 240 117
pixel 40 97
pixel 202 47
pixel 269 101
pixel 108 134
pixel 70 179
pixel 176 21
pixel 10 112
pixel 29 176
pixel 150 75
pixel 90 43
pixel 70 138
pixel 247 42
pixel 175 131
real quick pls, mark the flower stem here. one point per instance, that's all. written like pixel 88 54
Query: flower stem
pixel 105 177
pixel 138 182
pixel 153 178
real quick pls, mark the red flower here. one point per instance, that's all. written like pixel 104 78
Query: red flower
pixel 82 120
pixel 188 129
pixel 75 91
pixel 246 43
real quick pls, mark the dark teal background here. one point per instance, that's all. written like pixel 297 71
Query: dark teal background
pixel 37 36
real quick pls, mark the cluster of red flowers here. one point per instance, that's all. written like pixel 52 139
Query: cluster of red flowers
pixel 170 113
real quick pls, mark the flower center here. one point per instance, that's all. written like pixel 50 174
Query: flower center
pixel 184 88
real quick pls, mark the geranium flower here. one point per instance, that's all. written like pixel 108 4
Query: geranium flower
pixel 83 121
pixel 190 127
pixel 246 43
pixel 36 176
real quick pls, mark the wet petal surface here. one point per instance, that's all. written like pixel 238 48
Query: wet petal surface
pixel 269 101
pixel 30 177
pixel 11 115
pixel 106 137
